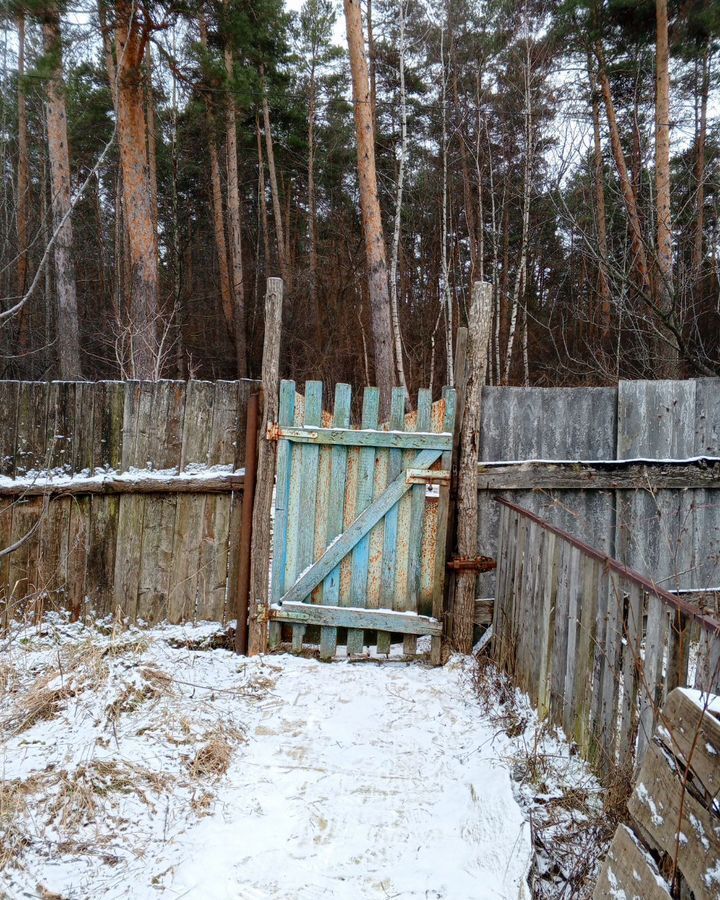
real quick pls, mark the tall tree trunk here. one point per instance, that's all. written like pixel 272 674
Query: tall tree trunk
pixel 395 313
pixel 151 135
pixel 277 208
pixel 131 37
pixel 23 187
pixel 521 272
pixel 68 335
pixel 640 263
pixel 226 292
pixel 233 203
pixel 312 209
pixel 263 198
pixel 700 170
pixel 447 292
pixel 23 179
pixel 370 205
pixel 600 216
pixel 666 358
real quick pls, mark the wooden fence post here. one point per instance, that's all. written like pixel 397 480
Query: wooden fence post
pixel 260 545
pixel 479 327
pixel 248 499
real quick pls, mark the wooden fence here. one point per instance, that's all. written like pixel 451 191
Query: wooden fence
pixel 671 844
pixel 596 646
pixel 646 491
pixel 130 492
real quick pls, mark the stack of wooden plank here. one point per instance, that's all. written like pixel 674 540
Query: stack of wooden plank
pixel 671 846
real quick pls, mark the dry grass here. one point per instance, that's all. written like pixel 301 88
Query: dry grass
pixel 213 759
pixel 572 820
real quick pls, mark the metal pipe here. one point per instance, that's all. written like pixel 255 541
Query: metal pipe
pixel 251 434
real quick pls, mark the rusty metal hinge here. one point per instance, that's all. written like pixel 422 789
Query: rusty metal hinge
pixel 472 564
pixel 273 431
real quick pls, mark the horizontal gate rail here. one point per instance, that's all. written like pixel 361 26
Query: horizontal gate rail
pixel 354 617
pixel 366 437
pixel 596 645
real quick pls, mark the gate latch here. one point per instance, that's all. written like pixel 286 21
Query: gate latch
pixel 427 476
pixel 472 564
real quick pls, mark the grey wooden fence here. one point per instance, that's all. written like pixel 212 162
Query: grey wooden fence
pixel 596 646
pixel 671 534
pixel 130 494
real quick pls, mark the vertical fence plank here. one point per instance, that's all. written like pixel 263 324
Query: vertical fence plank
pixel 335 513
pixel 441 537
pixel 524 601
pixel 190 508
pixel 286 416
pixel 599 662
pixel 130 514
pixel 573 628
pixel 212 578
pixel 611 673
pixel 587 639
pixel 560 635
pixel 546 635
pixel 707 674
pixel 308 493
pixel 390 535
pixel 633 630
pixel 365 485
pixel 414 536
pixel 649 688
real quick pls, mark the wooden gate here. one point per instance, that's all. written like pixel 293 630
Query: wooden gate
pixel 360 519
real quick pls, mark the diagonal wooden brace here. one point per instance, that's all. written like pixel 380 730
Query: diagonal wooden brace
pixel 334 554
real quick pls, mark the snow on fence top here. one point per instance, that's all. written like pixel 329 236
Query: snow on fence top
pixel 146 496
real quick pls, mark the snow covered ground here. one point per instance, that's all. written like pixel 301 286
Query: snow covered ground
pixel 135 766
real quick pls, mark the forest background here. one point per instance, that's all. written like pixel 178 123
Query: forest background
pixel 158 161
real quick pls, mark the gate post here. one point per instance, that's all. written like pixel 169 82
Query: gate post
pixel 260 546
pixel 479 328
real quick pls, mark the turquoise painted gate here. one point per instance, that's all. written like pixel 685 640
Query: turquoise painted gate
pixel 360 519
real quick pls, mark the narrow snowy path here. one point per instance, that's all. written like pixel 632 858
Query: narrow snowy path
pixel 363 781
pixel 354 780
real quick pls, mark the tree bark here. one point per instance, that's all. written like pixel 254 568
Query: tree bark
pixel 370 205
pixel 640 263
pixel 233 202
pixel 226 293
pixel 277 208
pixel 700 170
pixel 263 198
pixel 23 187
pixel 479 328
pixel 151 136
pixel 394 259
pixel 666 359
pixel 68 334
pixel 260 552
pixel 131 37
pixel 23 179
pixel 312 208
pixel 600 215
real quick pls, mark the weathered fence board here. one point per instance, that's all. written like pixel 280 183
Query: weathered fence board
pixel 672 817
pixel 588 639
pixel 118 477
pixel 662 520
